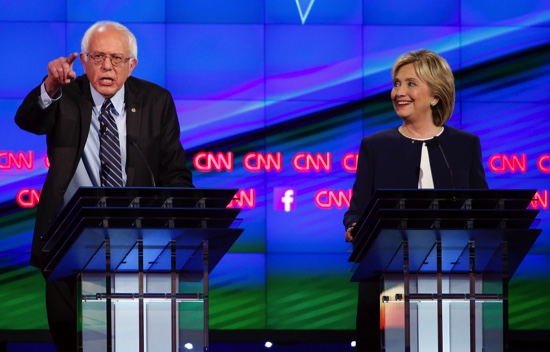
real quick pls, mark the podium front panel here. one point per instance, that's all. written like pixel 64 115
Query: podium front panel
pixel 444 259
pixel 385 253
pixel 143 257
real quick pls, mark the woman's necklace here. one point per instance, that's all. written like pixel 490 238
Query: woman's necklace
pixel 418 139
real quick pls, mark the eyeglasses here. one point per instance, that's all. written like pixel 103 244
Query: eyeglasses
pixel 116 60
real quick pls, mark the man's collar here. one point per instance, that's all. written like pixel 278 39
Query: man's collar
pixel 117 99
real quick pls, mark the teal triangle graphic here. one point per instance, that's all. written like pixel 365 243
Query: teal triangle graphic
pixel 304 6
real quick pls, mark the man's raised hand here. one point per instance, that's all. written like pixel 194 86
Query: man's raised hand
pixel 60 72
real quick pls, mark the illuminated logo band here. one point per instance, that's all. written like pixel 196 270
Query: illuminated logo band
pixel 304 4
pixel 284 199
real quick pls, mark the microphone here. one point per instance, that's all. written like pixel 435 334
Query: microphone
pixel 436 142
pixel 134 143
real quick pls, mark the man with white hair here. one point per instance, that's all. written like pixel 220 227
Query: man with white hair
pixel 76 114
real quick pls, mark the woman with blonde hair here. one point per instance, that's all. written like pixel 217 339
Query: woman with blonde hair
pixel 422 152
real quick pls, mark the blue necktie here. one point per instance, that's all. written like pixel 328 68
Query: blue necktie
pixel 109 148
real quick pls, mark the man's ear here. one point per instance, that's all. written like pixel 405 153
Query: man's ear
pixel 133 64
pixel 83 61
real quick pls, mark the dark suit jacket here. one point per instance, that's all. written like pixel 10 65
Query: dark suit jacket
pixel 389 160
pixel 151 122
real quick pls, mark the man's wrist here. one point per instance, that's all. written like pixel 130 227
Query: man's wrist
pixel 45 98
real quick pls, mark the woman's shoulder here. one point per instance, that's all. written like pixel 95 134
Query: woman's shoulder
pixel 383 135
pixel 454 133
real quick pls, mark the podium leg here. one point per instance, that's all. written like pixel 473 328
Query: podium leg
pixel 445 310
pixel 205 296
pixel 145 312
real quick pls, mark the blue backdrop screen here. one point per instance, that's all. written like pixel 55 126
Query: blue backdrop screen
pixel 275 96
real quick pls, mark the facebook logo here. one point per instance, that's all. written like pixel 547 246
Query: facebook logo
pixel 284 199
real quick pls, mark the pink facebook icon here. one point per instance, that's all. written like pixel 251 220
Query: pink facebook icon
pixel 284 199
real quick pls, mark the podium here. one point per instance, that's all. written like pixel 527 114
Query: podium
pixel 443 259
pixel 141 258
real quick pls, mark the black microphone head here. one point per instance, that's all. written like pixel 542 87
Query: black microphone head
pixel 102 126
pixel 432 143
